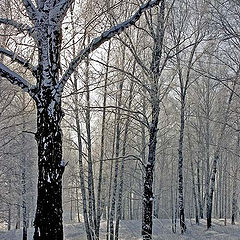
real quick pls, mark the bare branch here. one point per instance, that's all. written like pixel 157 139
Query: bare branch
pixel 105 36
pixel 30 8
pixel 17 59
pixel 19 26
pixel 62 7
pixel 16 79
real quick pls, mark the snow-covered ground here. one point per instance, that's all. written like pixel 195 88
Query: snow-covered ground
pixel 131 230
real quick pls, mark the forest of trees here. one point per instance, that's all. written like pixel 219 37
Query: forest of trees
pixel 118 110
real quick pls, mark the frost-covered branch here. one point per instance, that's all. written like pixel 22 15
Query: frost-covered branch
pixel 16 79
pixel 19 26
pixel 61 8
pixel 30 8
pixel 17 59
pixel 105 36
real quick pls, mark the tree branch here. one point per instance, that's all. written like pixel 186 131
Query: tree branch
pixel 62 7
pixel 19 26
pixel 16 79
pixel 30 8
pixel 105 36
pixel 18 59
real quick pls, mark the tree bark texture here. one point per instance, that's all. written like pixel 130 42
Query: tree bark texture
pixel 148 180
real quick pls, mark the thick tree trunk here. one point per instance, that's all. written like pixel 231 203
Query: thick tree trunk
pixel 48 219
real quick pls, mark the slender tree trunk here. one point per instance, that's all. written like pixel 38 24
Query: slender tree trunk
pixel 99 198
pixel 111 173
pixel 199 190
pixel 194 193
pixel 80 150
pixel 180 167
pixel 77 204
pixel 121 178
pixel 23 168
pixel 234 186
pixel 207 139
pixel 18 223
pixel 118 135
pixel 216 158
pixel 91 193
pixel 9 206
pixel 147 222
pixel 234 197
pixel 81 169
pixel 9 217
pixel 225 192
pixel 148 180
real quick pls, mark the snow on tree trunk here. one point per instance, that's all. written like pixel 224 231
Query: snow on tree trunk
pixel 48 219
pixel 148 180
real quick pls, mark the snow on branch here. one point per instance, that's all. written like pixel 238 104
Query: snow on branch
pixel 30 8
pixel 105 36
pixel 19 26
pixel 17 59
pixel 16 79
pixel 61 8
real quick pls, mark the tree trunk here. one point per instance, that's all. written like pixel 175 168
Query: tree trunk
pixel 180 168
pixel 148 180
pixel 194 194
pixel 91 193
pixel 118 136
pixel 121 178
pixel 216 158
pixel 23 167
pixel 48 219
pixel 9 207
pixel 18 224
pixel 199 190
pixel 235 178
pixel 111 174
pixel 99 198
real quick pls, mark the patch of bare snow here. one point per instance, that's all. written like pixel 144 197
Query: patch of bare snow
pixel 131 230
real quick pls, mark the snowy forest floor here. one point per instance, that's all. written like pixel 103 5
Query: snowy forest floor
pixel 131 230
